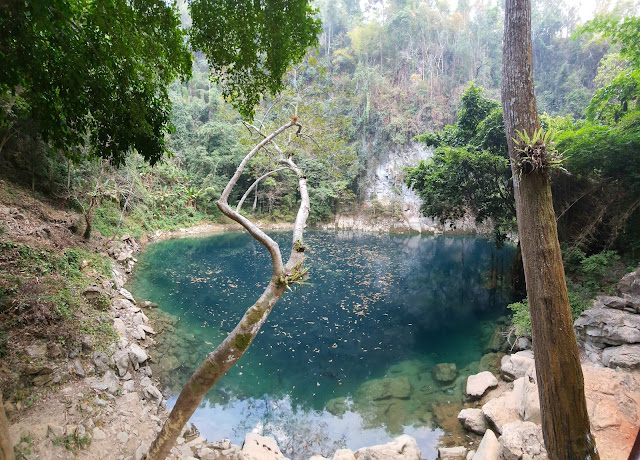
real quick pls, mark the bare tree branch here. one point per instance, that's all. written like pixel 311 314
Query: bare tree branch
pixel 254 185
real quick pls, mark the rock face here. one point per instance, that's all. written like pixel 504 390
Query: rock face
pixel 402 448
pixel 479 384
pixel 625 356
pixel 522 440
pixel 445 372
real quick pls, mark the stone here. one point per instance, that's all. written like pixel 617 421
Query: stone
pixel 141 451
pixel 119 326
pixel 630 284
pixel 402 448
pixel 624 356
pixel 151 393
pixel 101 362
pixel 258 447
pixel 221 445
pixel 452 453
pixel 516 365
pixel 618 303
pixel 522 440
pixel 504 409
pixel 137 355
pixel 92 292
pixel 470 454
pixel 127 295
pixel 601 327
pixel 488 448
pixel 122 304
pixel 98 434
pixel 473 420
pixel 77 368
pixel 108 383
pixel 344 454
pixel 387 388
pixel 149 304
pixel 523 343
pixel 121 358
pixel 444 372
pixel 529 410
pixel 37 351
pixel 55 431
pixel 129 386
pixel 479 384
pixel 490 362
pixel 337 406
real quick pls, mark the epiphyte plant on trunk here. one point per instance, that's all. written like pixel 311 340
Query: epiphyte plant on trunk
pixel 565 420
pixel 283 277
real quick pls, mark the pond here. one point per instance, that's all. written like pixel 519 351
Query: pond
pixel 347 360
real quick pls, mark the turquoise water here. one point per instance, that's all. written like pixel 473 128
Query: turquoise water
pixel 374 302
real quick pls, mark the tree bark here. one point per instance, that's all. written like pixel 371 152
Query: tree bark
pixel 565 421
pixel 233 347
pixel 6 447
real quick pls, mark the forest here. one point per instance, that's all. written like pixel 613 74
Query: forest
pixel 137 115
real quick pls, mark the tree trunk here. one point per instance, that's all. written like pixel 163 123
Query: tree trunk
pixel 6 447
pixel 233 347
pixel 565 421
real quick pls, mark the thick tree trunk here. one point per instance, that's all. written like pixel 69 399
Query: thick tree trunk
pixel 6 447
pixel 565 421
pixel 233 347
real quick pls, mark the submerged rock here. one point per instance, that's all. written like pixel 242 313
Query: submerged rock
pixel 380 389
pixel 337 406
pixel 445 372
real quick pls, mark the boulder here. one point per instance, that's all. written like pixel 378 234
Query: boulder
pixel 151 393
pixel 258 447
pixel 452 453
pixel 388 388
pixel 402 448
pixel 127 295
pixel 137 355
pixel 444 372
pixel 617 303
pixel 488 448
pixel 344 454
pixel 121 358
pixel 522 440
pixel 601 326
pixel 529 410
pixel 504 409
pixel 108 383
pixel 516 365
pixel 630 284
pixel 625 356
pixel 101 361
pixel 479 384
pixel 473 420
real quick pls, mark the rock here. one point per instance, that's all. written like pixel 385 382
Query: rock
pixel 479 384
pixel 530 402
pixel 108 383
pixel 498 341
pixel 617 303
pixel 258 447
pixel 523 343
pixel 129 385
pixel 137 355
pixel 630 284
pixel 490 362
pixel 101 362
pixel 452 453
pixel 504 409
pixel 488 448
pixel 473 420
pixel 344 454
pixel 444 372
pixel 402 448
pixel 55 350
pixel 625 356
pixel 522 440
pixel 98 434
pixel 601 326
pixel 76 368
pixel 387 388
pixel 42 379
pixel 149 304
pixel 127 295
pixel 337 406
pixel 151 393
pixel 470 454
pixel 37 351
pixel 319 457
pixel 121 358
pixel 147 329
pixel 93 292
pixel 141 451
pixel 221 445
pixel 516 365
pixel 122 304
pixel 55 431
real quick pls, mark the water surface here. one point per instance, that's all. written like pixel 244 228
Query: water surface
pixel 377 306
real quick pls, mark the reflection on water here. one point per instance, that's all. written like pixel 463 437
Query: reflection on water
pixel 352 356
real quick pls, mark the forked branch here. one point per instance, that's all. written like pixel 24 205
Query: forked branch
pixel 233 347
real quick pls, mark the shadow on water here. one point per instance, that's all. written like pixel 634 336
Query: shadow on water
pixel 345 361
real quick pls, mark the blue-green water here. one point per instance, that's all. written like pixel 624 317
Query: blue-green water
pixel 377 305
